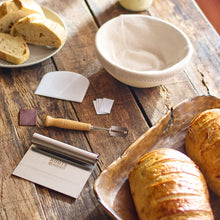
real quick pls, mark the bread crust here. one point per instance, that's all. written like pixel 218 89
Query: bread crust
pixel 39 30
pixel 166 184
pixel 7 7
pixel 203 146
pixel 30 5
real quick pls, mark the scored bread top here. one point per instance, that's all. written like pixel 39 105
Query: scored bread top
pixel 166 184
pixel 203 145
pixel 13 49
pixel 39 30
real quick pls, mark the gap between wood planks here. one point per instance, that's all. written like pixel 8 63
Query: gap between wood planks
pixel 93 15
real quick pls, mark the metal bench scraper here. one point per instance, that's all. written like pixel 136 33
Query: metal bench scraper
pixel 56 165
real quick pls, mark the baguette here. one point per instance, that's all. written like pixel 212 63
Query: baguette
pixel 12 11
pixel 13 49
pixel 37 29
pixel 166 184
pixel 203 146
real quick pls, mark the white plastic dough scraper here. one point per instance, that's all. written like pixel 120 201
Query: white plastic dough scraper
pixel 56 165
pixel 63 85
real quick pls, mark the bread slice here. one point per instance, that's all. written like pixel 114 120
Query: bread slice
pixel 39 30
pixel 13 49
pixel 12 11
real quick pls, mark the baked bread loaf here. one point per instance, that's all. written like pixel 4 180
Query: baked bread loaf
pixel 37 29
pixel 13 49
pixel 166 184
pixel 12 11
pixel 203 146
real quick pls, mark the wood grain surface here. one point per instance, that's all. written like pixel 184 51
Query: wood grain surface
pixel 136 109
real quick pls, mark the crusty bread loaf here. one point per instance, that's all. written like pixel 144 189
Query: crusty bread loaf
pixel 203 146
pixel 166 184
pixel 38 30
pixel 12 11
pixel 13 49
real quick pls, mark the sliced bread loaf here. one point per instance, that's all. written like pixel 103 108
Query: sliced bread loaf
pixel 12 11
pixel 37 29
pixel 13 49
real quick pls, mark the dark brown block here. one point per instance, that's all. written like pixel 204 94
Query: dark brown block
pixel 28 117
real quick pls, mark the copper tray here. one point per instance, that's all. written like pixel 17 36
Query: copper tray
pixel 112 187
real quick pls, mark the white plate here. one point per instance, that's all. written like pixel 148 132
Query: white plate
pixel 39 53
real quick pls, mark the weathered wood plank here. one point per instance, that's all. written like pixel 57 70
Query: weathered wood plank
pixel 203 70
pixel 19 199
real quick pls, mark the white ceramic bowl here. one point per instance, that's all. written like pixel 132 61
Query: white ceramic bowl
pixel 142 51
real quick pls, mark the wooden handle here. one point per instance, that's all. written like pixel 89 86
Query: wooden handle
pixel 67 124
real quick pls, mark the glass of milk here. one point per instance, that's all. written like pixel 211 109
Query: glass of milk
pixel 136 5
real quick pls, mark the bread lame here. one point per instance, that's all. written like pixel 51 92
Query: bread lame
pixel 76 125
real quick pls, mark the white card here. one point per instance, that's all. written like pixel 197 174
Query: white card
pixel 103 106
pixel 106 105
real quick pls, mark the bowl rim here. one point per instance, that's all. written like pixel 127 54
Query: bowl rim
pixel 169 71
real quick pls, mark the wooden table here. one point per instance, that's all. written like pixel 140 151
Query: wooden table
pixel 136 109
